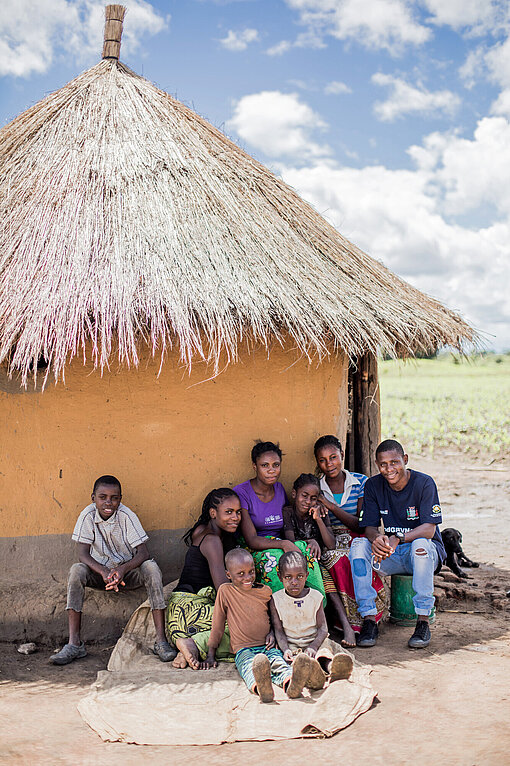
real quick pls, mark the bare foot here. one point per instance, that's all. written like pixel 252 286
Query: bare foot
pixel 180 662
pixel 349 639
pixel 188 649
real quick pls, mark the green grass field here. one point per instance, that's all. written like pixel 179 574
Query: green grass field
pixel 448 402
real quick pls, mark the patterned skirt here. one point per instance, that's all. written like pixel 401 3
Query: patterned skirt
pixel 339 568
pixel 189 615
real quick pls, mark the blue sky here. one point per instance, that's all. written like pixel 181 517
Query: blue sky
pixel 390 116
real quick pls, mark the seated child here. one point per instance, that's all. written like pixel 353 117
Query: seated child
pixel 306 519
pixel 113 554
pixel 243 603
pixel 300 624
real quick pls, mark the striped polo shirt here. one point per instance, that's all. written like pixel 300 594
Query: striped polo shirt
pixel 354 488
pixel 112 541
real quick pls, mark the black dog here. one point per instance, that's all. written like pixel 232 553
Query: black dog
pixel 455 556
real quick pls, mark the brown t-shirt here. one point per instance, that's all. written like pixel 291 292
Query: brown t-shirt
pixel 246 614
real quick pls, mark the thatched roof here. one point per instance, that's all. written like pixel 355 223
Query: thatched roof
pixel 128 219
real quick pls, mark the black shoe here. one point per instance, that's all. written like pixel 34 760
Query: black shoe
pixel 164 651
pixel 368 634
pixel 421 636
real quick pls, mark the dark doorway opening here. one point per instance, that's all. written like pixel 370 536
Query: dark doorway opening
pixel 364 418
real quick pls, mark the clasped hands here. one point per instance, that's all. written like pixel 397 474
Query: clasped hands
pixel 383 547
pixel 113 578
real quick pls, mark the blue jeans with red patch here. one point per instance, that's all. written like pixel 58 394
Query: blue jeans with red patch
pixel 404 560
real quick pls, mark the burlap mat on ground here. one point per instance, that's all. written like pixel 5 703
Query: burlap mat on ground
pixel 144 701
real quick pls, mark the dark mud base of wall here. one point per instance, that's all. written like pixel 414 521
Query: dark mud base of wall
pixel 33 581
pixel 48 557
pixel 38 613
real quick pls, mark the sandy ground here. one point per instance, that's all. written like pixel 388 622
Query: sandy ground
pixel 448 704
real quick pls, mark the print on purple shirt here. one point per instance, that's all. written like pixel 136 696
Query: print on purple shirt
pixel 267 517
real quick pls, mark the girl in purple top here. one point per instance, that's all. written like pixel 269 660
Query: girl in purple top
pixel 262 500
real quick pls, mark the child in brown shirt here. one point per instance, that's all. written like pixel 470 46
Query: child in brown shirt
pixel 244 605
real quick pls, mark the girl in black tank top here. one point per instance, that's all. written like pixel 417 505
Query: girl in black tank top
pixel 191 604
pixel 218 523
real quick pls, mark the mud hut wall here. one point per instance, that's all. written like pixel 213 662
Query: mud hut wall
pixel 169 439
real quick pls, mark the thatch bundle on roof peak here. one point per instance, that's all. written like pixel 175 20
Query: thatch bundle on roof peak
pixel 127 219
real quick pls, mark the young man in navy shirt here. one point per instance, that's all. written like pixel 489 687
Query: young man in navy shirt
pixel 407 503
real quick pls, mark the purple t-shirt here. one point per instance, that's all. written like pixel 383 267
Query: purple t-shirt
pixel 267 517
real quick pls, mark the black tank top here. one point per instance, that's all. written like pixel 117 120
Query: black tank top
pixel 195 572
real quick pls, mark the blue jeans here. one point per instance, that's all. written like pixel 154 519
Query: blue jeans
pixel 405 560
pixel 280 671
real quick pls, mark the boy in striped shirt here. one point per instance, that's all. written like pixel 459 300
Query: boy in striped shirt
pixel 113 554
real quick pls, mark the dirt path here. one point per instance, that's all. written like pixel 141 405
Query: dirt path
pixel 446 705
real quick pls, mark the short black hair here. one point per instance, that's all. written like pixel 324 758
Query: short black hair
pixel 327 441
pixel 109 481
pixel 390 445
pixel 261 447
pixel 237 554
pixel 291 558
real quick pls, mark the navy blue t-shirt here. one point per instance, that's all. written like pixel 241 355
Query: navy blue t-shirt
pixel 403 510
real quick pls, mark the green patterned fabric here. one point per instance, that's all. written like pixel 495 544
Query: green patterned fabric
pixel 266 567
pixel 189 615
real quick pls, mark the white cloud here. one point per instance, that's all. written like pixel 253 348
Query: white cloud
pixel 444 226
pixel 408 99
pixel 33 33
pixel 502 104
pixel 308 39
pixel 490 62
pixel 469 173
pixel 301 84
pixel 336 88
pixel 279 49
pixel 473 67
pixel 239 41
pixel 478 15
pixel 279 125
pixel 497 60
pixel 376 24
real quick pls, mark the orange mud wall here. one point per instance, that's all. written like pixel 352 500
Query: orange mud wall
pixel 169 439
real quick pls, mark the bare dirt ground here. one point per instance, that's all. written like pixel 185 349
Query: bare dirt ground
pixel 446 705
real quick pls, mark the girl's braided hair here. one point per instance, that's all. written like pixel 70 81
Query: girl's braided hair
pixel 291 558
pixel 213 500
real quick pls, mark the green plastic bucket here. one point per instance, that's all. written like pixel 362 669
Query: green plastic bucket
pixel 401 604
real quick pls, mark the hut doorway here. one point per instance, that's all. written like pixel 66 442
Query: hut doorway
pixel 364 415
